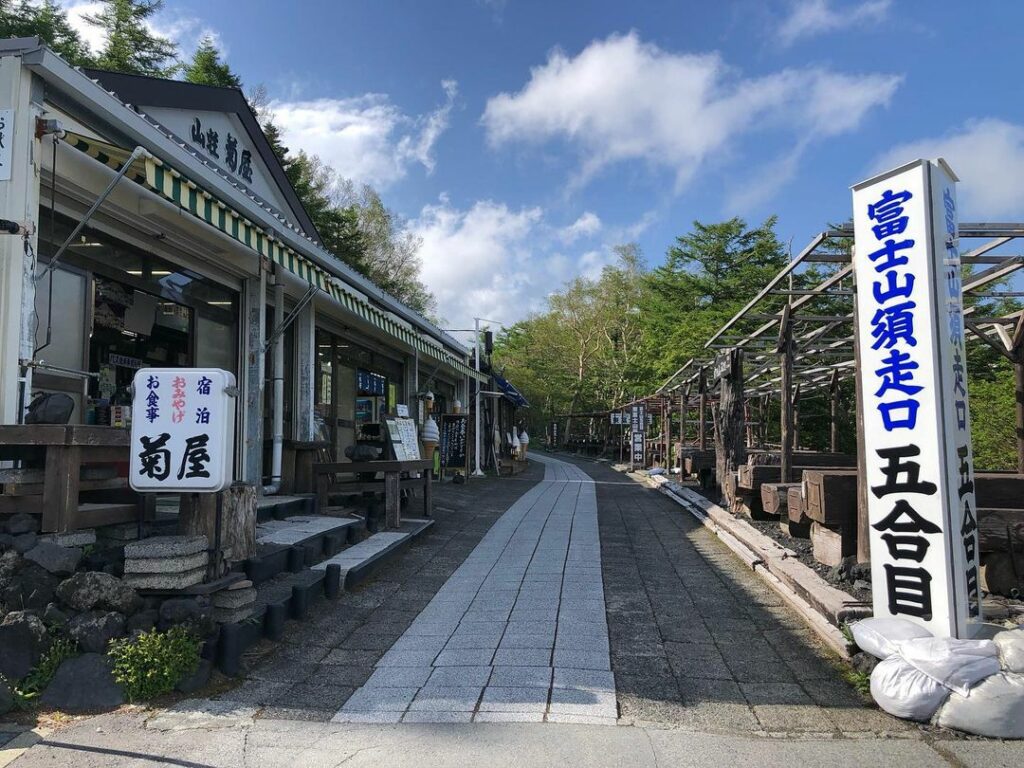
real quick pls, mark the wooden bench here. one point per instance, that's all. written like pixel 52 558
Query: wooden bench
pixel 327 482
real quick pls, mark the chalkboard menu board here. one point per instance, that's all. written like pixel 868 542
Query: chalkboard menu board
pixel 454 430
pixel 402 433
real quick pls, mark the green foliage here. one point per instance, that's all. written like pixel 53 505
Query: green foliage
pixel 49 22
pixel 206 68
pixel 993 418
pixel 861 681
pixel 152 664
pixel 130 45
pixel 34 683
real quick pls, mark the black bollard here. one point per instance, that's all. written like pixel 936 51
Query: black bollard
pixel 273 622
pixel 230 649
pixel 296 559
pixel 332 581
pixel 300 603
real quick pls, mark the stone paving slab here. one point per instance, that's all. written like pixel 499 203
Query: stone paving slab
pixel 527 599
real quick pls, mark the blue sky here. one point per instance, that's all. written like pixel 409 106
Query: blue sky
pixel 522 139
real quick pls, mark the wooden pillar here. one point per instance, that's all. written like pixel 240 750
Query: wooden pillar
pixel 750 426
pixel 254 314
pixel 728 421
pixel 863 522
pixel 833 442
pixel 785 350
pixel 1018 378
pixel 305 374
pixel 702 389
pixel 796 418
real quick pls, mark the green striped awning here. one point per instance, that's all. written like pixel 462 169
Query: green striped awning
pixel 173 186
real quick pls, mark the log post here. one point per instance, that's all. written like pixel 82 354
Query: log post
pixel 863 531
pixel 702 389
pixel 728 422
pixel 833 440
pixel 1018 379
pixel 197 515
pixel 787 429
pixel 796 418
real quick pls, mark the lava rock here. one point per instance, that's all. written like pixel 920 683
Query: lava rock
pixel 22 523
pixel 84 684
pixel 24 542
pixel 9 563
pixel 863 662
pixel 90 590
pixel 29 587
pixel 58 560
pixel 54 616
pixel 198 679
pixel 93 630
pixel 143 621
pixel 23 641
pixel 190 611
pixel 6 698
pixel 6 542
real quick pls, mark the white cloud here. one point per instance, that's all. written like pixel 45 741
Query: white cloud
pixel 621 99
pixel 988 156
pixel 587 225
pixel 365 138
pixel 814 17
pixel 494 260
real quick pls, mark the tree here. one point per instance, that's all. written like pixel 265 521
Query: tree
pixel 206 68
pixel 131 46
pixel 49 22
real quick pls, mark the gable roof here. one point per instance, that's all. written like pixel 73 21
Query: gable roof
pixel 142 90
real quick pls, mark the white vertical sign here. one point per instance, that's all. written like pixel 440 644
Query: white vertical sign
pixel 183 430
pixel 6 140
pixel 920 474
pixel 639 433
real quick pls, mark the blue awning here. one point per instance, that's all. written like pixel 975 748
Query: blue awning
pixel 511 393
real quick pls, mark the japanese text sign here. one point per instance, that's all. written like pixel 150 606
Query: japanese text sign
pixel 183 430
pixel 638 428
pixel 917 439
pixel 6 142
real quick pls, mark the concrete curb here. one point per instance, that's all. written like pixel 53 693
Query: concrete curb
pixel 822 606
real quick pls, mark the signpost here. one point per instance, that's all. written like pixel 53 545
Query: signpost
pixel 917 440
pixel 638 425
pixel 183 430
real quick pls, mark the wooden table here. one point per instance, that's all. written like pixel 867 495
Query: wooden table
pixel 393 481
pixel 59 452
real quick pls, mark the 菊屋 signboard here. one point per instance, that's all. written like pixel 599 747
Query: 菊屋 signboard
pixel 183 430
pixel 917 439
pixel 638 427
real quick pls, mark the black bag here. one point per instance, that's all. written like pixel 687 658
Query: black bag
pixel 50 408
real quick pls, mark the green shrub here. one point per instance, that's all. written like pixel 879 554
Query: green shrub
pixel 34 683
pixel 152 664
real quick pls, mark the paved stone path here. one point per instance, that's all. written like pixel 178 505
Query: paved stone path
pixel 518 633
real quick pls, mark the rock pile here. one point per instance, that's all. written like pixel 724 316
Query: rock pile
pixel 235 603
pixel 166 562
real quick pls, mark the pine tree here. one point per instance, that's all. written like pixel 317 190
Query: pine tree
pixel 206 68
pixel 48 22
pixel 131 47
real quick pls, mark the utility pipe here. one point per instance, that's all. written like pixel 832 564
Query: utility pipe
pixel 278 381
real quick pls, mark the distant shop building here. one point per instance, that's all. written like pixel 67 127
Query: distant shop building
pixel 200 255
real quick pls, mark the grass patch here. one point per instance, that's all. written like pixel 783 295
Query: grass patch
pixel 29 688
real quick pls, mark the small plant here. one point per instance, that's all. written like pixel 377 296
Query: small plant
pixel 152 664
pixel 861 681
pixel 34 683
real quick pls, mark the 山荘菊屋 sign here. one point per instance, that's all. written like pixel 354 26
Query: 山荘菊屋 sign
pixel 183 430
pixel 917 440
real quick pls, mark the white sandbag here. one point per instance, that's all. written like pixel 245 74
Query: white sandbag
pixel 1011 650
pixel 881 636
pixel 904 691
pixel 957 664
pixel 994 708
